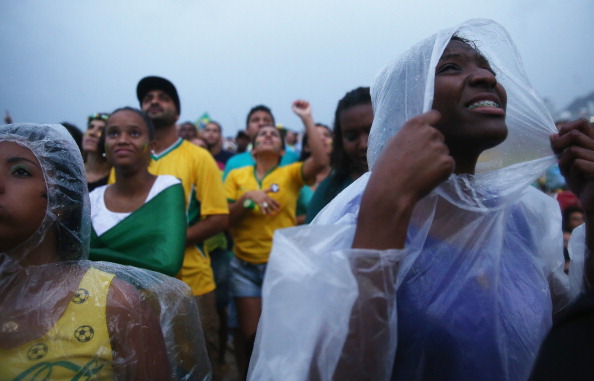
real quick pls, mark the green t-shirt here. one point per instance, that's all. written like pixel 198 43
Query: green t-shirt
pixel 329 188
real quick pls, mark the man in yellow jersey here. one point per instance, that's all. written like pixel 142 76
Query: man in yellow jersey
pixel 206 205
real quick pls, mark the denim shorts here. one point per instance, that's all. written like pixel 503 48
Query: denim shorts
pixel 246 278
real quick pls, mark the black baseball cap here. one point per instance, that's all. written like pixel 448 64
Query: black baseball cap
pixel 157 83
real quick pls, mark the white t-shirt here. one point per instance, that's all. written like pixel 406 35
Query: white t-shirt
pixel 104 219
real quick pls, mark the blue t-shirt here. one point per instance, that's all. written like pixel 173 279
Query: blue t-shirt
pixel 452 325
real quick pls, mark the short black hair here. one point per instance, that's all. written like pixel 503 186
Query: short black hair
pixel 75 132
pixel 256 109
pixel 466 41
pixel 241 135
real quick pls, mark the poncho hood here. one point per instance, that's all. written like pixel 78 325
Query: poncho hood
pixel 404 89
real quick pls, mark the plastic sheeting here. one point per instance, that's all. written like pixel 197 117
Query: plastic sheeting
pixel 472 294
pixel 62 316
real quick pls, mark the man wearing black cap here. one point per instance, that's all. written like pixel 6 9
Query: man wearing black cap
pixel 206 204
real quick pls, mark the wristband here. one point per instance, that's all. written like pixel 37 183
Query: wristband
pixel 249 204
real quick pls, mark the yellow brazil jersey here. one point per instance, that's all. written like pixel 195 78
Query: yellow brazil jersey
pixel 205 195
pixel 217 241
pixel 253 233
pixel 77 347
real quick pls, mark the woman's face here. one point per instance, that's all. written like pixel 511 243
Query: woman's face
pixel 23 195
pixel 471 101
pixel 91 137
pixel 268 139
pixel 355 124
pixel 127 142
pixel 326 138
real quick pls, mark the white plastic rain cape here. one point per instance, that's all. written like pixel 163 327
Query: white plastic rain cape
pixel 470 297
pixel 69 318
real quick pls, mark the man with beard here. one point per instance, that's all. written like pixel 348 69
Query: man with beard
pixel 206 205
pixel 213 135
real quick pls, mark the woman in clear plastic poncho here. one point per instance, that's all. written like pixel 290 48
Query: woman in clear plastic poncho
pixel 415 272
pixel 61 316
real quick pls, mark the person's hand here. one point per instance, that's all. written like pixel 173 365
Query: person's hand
pixel 267 204
pixel 574 145
pixel 412 164
pixel 414 161
pixel 301 108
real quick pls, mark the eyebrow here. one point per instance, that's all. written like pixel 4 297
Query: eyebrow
pixel 274 132
pixel 481 59
pixel 16 159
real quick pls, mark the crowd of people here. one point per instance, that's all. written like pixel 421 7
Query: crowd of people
pixel 429 234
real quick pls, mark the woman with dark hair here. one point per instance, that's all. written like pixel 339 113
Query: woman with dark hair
pixel 443 262
pixel 140 219
pixel 307 191
pixel 263 198
pixel 326 134
pixel 96 166
pixel 352 123
pixel 61 316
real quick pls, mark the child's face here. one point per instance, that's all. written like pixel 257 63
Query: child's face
pixel 23 195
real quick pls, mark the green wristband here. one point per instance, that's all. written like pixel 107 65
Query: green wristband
pixel 249 204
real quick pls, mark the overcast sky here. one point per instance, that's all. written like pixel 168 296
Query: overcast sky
pixel 63 59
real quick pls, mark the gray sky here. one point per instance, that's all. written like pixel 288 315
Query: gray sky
pixel 62 60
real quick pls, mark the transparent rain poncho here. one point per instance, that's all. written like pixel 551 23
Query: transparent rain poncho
pixel 472 294
pixel 70 318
